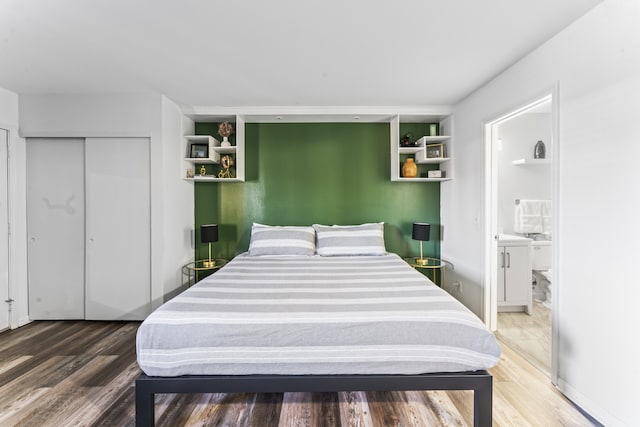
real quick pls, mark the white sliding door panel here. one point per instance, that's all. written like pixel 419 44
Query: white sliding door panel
pixel 55 228
pixel 118 276
pixel 4 231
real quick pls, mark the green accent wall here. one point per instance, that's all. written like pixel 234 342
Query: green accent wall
pixel 306 173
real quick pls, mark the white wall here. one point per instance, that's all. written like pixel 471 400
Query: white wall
pixel 8 108
pixel 596 62
pixel 178 205
pixel 518 138
pixel 148 115
pixel 90 115
pixel 9 119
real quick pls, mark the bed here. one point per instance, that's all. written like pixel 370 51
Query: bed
pixel 314 320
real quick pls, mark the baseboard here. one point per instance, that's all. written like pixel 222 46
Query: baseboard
pixel 590 409
pixel 23 321
pixel 175 292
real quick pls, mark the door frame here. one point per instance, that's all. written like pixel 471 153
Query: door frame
pixel 6 304
pixel 490 305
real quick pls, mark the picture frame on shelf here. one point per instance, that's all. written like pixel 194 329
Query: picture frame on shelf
pixel 199 151
pixel 435 151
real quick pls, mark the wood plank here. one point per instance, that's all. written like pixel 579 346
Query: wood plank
pixel 354 409
pixel 106 405
pixel 209 410
pixel 297 410
pixel 435 407
pixel 8 363
pixel 15 409
pixel 63 402
pixel 25 333
pixel 32 379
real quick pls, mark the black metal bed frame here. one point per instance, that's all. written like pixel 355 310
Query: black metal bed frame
pixel 481 382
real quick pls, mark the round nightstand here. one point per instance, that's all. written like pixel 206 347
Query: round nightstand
pixel 196 270
pixel 432 264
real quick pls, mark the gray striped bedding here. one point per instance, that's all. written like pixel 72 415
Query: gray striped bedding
pixel 299 315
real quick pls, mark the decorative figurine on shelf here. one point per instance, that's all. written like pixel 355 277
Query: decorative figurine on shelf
pixel 224 130
pixel 406 140
pixel 190 173
pixel 203 170
pixel 226 162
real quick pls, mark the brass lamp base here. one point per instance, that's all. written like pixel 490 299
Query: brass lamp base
pixel 209 264
pixel 422 261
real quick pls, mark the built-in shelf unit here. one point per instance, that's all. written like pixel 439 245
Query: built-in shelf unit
pixel 420 148
pixel 215 153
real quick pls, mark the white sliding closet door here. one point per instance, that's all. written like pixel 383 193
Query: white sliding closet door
pixel 118 255
pixel 55 228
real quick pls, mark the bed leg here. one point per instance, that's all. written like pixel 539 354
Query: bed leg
pixel 483 403
pixel 145 402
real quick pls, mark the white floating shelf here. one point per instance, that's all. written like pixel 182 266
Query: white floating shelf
pixel 433 160
pixel 409 150
pixel 532 162
pixel 212 179
pixel 422 141
pixel 201 160
pixel 225 150
pixel 422 179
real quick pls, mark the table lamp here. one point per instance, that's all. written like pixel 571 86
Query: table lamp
pixel 209 234
pixel 421 232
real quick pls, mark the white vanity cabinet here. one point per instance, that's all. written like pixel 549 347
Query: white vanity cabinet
pixel 514 274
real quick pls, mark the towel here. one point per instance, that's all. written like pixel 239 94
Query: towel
pixel 533 217
pixel 546 216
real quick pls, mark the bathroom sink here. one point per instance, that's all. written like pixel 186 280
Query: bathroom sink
pixel 510 238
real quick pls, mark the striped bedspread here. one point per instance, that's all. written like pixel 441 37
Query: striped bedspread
pixel 314 315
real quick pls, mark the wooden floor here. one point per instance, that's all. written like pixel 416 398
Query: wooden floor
pixel 76 373
pixel 529 335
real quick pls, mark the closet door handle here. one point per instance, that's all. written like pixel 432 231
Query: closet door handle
pixel 502 260
pixel 508 259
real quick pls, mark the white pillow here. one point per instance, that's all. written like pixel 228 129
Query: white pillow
pixel 364 239
pixel 281 240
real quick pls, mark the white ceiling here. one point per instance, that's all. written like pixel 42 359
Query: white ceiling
pixel 273 53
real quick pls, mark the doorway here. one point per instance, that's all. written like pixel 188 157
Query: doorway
pixel 4 230
pixel 521 170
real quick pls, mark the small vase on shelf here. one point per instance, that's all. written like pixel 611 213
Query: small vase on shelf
pixel 224 130
pixel 539 151
pixel 409 168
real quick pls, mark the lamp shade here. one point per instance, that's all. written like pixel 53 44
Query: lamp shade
pixel 209 233
pixel 421 231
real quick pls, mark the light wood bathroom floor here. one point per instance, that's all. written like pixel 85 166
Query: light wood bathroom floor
pixel 529 335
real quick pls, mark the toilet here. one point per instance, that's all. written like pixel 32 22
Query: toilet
pixel 541 268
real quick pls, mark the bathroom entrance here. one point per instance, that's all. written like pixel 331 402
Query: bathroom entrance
pixel 4 230
pixel 520 218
